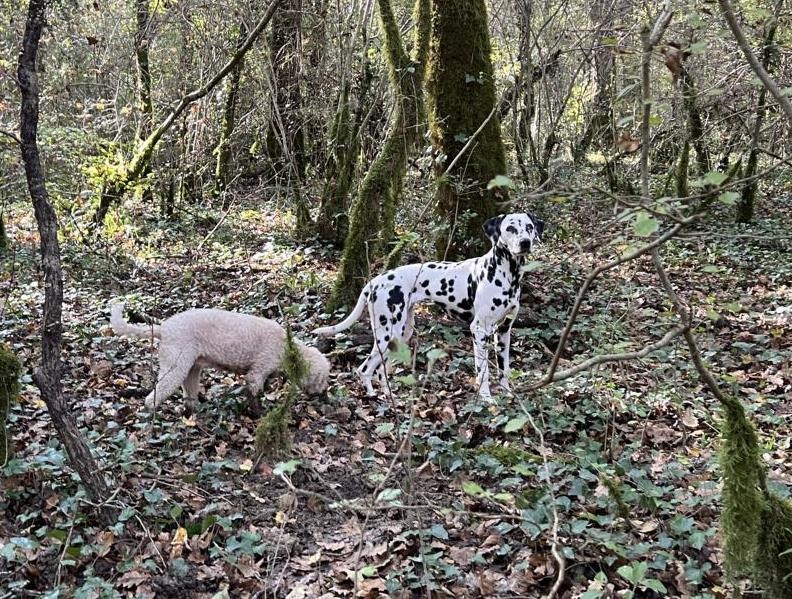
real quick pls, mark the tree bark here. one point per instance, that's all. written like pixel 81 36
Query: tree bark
pixel 227 124
pixel 48 376
pixel 747 204
pixel 461 98
pixel 599 130
pixel 286 137
pixel 374 209
pixel 145 105
pixel 130 172
pixel 761 72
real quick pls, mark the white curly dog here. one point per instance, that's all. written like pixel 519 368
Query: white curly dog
pixel 241 343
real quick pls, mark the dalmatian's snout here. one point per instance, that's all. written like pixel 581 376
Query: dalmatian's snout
pixel 525 246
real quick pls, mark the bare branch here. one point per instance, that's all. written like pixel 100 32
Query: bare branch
pixel 12 135
pixel 761 72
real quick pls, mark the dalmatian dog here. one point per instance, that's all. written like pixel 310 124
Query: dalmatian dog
pixel 484 292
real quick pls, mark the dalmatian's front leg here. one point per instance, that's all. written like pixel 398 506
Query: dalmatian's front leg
pixel 482 333
pixel 504 348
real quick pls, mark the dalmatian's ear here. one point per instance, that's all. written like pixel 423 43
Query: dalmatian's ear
pixel 538 223
pixel 492 227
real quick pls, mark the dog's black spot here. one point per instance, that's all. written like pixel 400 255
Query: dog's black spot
pixel 395 298
pixel 498 283
pixel 504 326
pixel 451 298
pixel 386 338
pixel 431 265
pixel 492 308
pixel 425 283
pixel 373 296
pixel 511 229
pixel 497 301
pixel 383 320
pixel 391 276
pixel 394 320
pixel 414 290
pixel 500 361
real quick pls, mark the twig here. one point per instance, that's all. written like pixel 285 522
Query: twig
pixel 12 135
pixel 758 69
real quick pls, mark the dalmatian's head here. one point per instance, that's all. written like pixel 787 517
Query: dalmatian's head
pixel 516 232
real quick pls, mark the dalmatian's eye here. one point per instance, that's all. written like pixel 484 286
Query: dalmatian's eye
pixel 511 229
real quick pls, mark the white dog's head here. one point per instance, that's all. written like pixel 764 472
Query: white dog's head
pixel 516 232
pixel 318 371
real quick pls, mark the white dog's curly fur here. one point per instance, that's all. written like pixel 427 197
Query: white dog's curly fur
pixel 241 343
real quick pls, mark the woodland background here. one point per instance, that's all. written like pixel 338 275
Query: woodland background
pixel 267 159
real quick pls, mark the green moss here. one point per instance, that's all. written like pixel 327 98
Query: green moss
pixel 10 371
pixel 272 432
pixel 373 211
pixel 508 455
pixel 773 561
pixel 743 479
pixel 461 96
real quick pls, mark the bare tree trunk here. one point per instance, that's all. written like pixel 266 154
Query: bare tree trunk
pixel 145 105
pixel 48 376
pixel 599 131
pixel 286 137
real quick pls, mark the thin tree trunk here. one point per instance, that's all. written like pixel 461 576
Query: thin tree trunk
pixel 145 105
pixel 130 172
pixel 374 208
pixel 48 376
pixel 461 100
pixel 745 209
pixel 223 149
pixel 286 136
pixel 761 72
pixel 599 131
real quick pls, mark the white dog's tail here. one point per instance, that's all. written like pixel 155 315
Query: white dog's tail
pixel 348 321
pixel 122 327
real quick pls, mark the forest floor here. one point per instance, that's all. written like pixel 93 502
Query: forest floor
pixel 625 482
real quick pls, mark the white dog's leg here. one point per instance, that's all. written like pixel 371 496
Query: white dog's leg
pixel 174 367
pixel 482 333
pixel 192 384
pixel 504 343
pixel 371 365
pixel 255 379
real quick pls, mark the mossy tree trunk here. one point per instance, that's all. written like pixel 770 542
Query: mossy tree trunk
pixel 374 209
pixel 223 149
pixel 461 99
pixel 695 124
pixel 10 371
pixel 49 375
pixel 332 222
pixel 747 203
pixel 128 174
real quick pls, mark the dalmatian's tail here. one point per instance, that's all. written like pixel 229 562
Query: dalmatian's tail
pixel 122 327
pixel 349 320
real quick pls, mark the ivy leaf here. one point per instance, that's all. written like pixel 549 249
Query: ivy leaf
pixel 388 494
pixel 729 198
pixel 286 467
pixel 655 585
pixel 515 424
pixel 645 225
pixel 501 181
pixel 472 488
pixel 715 177
pixel 401 353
